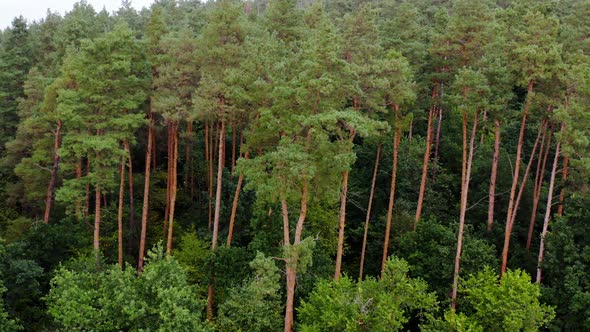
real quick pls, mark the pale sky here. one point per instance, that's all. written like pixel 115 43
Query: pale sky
pixel 36 9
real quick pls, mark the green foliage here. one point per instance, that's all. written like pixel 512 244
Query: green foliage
pixel 106 298
pixel 256 305
pixel 369 305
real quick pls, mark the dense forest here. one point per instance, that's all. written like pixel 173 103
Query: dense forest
pixel 266 165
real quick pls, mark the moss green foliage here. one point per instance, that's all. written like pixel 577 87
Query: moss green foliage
pixel 106 298
pixel 369 305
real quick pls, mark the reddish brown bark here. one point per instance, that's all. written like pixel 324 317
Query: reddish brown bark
pixel 146 194
pixel 131 201
pixel 368 217
pixel 438 130
pixel 51 187
pixel 120 212
pixel 562 192
pixel 233 148
pixel 170 147
pixel 234 207
pixel 396 142
pixel 462 212
pixel 173 186
pixel 547 212
pixel 426 160
pixel 494 174
pixel 87 211
pixel 210 159
pixel 515 178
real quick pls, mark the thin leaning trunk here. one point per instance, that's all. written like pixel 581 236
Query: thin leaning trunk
pixel 515 178
pixel 234 207
pixel 547 212
pixel 209 148
pixel 131 201
pixel 438 130
pixel 537 192
pixel 173 186
pixel 146 194
pixel 562 192
pixel 462 213
pixel 341 224
pixel 170 147
pixel 120 212
pixel 51 187
pixel 494 174
pixel 425 163
pixel 368 217
pixel 396 142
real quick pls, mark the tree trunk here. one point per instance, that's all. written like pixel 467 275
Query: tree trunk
pixel 368 217
pixel 87 212
pixel 131 202
pixel 537 192
pixel 96 240
pixel 173 186
pixel 120 212
pixel 51 187
pixel 78 203
pixel 525 177
pixel 425 162
pixel 396 142
pixel 547 211
pixel 462 212
pixel 494 175
pixel 234 207
pixel 210 154
pixel 170 147
pixel 187 153
pixel 515 178
pixel 233 148
pixel 562 192
pixel 146 194
pixel 438 129
pixel 341 224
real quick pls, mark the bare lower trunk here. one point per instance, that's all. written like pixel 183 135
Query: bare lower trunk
pixel 131 202
pixel 547 212
pixel 562 192
pixel 209 149
pixel 438 129
pixel 234 207
pixel 233 148
pixel 341 224
pixel 291 275
pixel 494 175
pixel 537 193
pixel 87 212
pixel 51 187
pixel 396 141
pixel 368 217
pixel 146 195
pixel 120 212
pixel 462 213
pixel 515 178
pixel 173 186
pixel 78 204
pixel 425 162
pixel 96 239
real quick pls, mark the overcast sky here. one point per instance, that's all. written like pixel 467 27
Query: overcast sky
pixel 36 9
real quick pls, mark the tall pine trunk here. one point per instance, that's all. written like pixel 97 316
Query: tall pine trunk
pixel 438 130
pixel 341 224
pixel 515 178
pixel 146 194
pixel 494 175
pixel 51 187
pixel 131 201
pixel 120 212
pixel 87 205
pixel 537 192
pixel 562 192
pixel 78 204
pixel 173 186
pixel 234 207
pixel 370 205
pixel 96 238
pixel 462 212
pixel 396 142
pixel 547 212
pixel 426 161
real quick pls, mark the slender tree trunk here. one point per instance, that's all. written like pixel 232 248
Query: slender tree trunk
pixel 464 156
pixel 146 194
pixel 234 207
pixel 187 153
pixel 78 207
pixel 233 148
pixel 87 212
pixel 548 211
pixel 341 224
pixel 462 212
pixel 291 270
pixel 426 161
pixel 537 192
pixel 51 187
pixel 396 142
pixel 173 186
pixel 438 130
pixel 525 177
pixel 170 146
pixel 515 178
pixel 562 192
pixel 120 212
pixel 210 148
pixel 154 157
pixel 368 217
pixel 96 240
pixel 494 175
pixel 131 202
